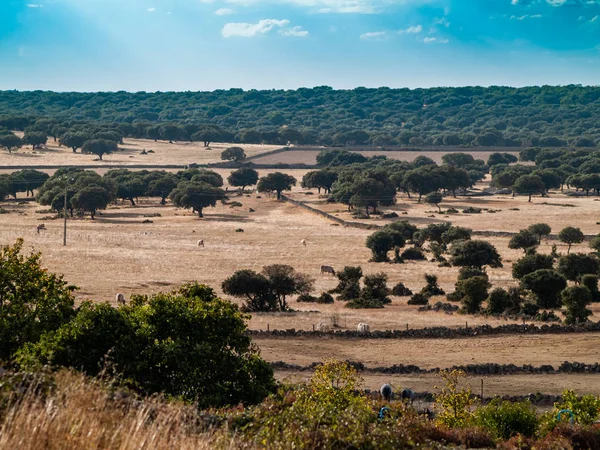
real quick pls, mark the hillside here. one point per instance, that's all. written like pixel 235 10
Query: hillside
pixel 495 116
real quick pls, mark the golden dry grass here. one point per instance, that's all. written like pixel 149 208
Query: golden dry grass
pixel 81 415
pixel 310 156
pixel 178 153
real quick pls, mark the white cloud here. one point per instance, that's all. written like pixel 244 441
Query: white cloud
pixel 374 36
pixel 151 9
pixel 526 16
pixel 34 5
pixel 432 40
pixel 412 30
pixel 593 19
pixel 244 29
pixel 443 22
pixel 224 11
pixel 330 6
pixel 294 32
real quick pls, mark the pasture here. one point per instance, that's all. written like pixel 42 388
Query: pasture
pixel 151 248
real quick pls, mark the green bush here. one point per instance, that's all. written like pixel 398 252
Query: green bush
pixel 306 298
pixel 193 348
pixel 431 289
pixel 413 253
pixel 418 299
pixel 325 298
pixel 400 290
pixel 504 419
pixel 498 301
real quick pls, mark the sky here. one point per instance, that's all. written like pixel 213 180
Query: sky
pixel 181 45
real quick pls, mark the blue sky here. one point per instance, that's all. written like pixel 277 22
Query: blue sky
pixel 151 45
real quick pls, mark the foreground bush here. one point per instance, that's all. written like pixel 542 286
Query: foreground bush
pixel 191 347
pixel 505 419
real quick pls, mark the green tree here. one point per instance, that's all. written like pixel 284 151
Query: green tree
pixel 570 236
pixel 99 147
pixel 91 199
pixel 236 154
pixel 524 240
pixel 540 230
pixel 33 301
pixel 197 196
pixel 33 179
pixel 574 265
pixel 243 177
pixel 475 254
pixel 529 185
pixel 320 179
pixel 498 301
pixel 591 282
pixel 501 158
pixel 74 140
pixel 253 287
pixel 193 348
pixel 35 138
pixel 10 142
pixel 349 283
pixel 530 263
pixel 473 291
pixel 163 186
pixel 435 198
pixel 454 403
pixel 546 285
pixel 276 182
pixel 285 281
pixel 380 243
pixel 575 299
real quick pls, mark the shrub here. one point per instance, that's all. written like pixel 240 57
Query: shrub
pixel 454 402
pixel 471 210
pixel 325 298
pixel 413 253
pixel 380 243
pixel 306 298
pixel 474 291
pixel 505 419
pixel 431 289
pixel 530 309
pixel 400 290
pixel 375 289
pixel 418 299
pixel 546 286
pixel 194 348
pixel 530 263
pixel 586 409
pixel 591 282
pixel 574 265
pixel 575 299
pixel 498 301
pixel 349 283
pixel 470 272
pixel 475 254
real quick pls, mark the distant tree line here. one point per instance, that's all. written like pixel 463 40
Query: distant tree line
pixel 545 116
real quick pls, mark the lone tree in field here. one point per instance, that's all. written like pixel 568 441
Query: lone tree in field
pixel 570 236
pixel 546 285
pixel 243 177
pixel 100 147
pixel 435 198
pixel 235 154
pixel 276 182
pixel 35 138
pixel 197 196
pixel 529 185
pixel 525 240
pixel 10 142
pixel 540 230
pixel 74 140
pixel 575 299
pixel 475 254
pixel 253 287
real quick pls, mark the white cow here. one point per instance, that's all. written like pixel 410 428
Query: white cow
pixel 201 243
pixel 363 328
pixel 120 299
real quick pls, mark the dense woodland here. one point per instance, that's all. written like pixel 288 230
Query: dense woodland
pixel 544 116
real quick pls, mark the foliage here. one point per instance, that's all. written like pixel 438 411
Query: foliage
pixel 253 287
pixel 236 154
pixel 91 199
pixel 505 419
pixel 32 300
pixel 35 138
pixel 243 177
pixel 276 182
pixel 524 239
pixel 375 289
pixel 413 254
pixel 574 265
pixel 380 243
pixel 400 290
pixel 474 253
pixel 349 283
pixel 10 142
pixel 570 236
pixel 546 286
pixel 324 298
pixel 586 408
pixel 591 282
pixel 418 299
pixel 454 402
pixel 529 185
pixel 99 147
pixel 530 263
pixel 194 348
pixel 431 289
pixel 575 299
pixel 320 179
pixel 473 291
pixel 197 196
pixel 435 198
pixel 284 280
pixel 498 301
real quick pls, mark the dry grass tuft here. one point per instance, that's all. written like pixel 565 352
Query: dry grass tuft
pixel 80 414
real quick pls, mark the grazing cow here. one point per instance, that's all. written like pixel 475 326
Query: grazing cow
pixel 327 269
pixel 303 242
pixel 323 327
pixel 386 392
pixel 363 328
pixel 40 227
pixel 120 299
pixel 407 395
pixel 201 243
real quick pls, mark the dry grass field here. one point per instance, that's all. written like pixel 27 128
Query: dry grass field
pixel 177 153
pixel 117 252
pixel 310 156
